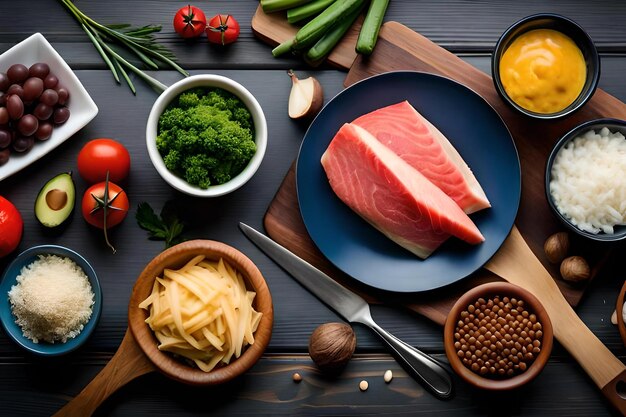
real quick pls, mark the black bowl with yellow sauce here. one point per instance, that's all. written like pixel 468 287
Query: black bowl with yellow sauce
pixel 537 89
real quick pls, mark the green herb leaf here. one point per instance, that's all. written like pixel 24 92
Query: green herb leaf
pixel 147 219
pixel 167 227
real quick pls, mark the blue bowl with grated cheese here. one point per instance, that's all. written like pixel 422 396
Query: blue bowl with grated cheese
pixel 8 318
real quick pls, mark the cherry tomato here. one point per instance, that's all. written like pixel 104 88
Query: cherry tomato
pixel 189 22
pixel 93 205
pixel 11 227
pixel 222 29
pixel 101 155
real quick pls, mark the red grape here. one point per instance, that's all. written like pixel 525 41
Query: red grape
pixel 17 73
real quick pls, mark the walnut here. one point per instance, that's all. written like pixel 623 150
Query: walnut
pixel 556 247
pixel 331 346
pixel 575 268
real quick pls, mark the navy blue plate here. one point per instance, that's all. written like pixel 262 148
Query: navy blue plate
pixel 477 132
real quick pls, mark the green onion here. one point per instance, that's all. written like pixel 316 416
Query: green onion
pixel 316 28
pixel 140 41
pixel 325 45
pixel 283 48
pixel 271 6
pixel 371 26
pixel 307 10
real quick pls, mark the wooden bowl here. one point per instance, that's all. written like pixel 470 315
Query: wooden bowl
pixel 502 289
pixel 619 310
pixel 176 257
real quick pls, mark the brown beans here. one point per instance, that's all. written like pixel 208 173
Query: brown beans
pixel 498 337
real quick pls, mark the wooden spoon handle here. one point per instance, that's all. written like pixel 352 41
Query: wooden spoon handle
pixel 615 392
pixel 128 363
pixel 516 263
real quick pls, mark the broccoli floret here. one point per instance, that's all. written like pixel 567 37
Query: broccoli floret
pixel 206 137
pixel 243 117
pixel 172 160
pixel 223 172
pixel 198 175
pixel 198 169
pixel 171 118
pixel 188 100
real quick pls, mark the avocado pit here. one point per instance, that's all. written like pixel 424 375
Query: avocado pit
pixel 56 199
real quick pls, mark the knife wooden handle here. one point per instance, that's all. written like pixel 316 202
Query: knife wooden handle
pixel 516 263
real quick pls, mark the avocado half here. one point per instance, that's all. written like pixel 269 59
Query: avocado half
pixel 55 201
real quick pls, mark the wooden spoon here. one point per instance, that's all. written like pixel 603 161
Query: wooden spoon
pixel 138 353
pixel 128 363
pixel 516 263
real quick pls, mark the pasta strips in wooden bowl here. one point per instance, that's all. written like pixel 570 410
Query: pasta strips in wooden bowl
pixel 202 312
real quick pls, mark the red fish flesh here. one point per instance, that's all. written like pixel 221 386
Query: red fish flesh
pixel 406 132
pixel 391 195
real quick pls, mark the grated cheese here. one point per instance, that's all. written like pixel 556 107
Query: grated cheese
pixel 52 300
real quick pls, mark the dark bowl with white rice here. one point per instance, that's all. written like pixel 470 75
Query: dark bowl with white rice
pixel 50 300
pixel 585 180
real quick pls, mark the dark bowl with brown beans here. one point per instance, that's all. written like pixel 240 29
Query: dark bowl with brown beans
pixel 498 336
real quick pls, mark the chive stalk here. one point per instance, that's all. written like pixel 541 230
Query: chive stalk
pixel 140 41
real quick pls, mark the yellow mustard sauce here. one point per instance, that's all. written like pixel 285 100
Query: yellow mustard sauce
pixel 543 71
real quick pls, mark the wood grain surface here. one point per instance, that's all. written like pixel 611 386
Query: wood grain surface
pixel 32 386
pixel 400 48
pixel 128 363
pixel 273 29
pixel 516 263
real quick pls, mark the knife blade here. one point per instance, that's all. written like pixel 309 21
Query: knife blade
pixel 354 309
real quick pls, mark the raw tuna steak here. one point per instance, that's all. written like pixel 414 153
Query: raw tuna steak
pixel 406 132
pixel 391 195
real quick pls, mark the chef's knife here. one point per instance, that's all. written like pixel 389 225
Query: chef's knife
pixel 354 309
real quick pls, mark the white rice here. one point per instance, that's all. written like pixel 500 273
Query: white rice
pixel 589 181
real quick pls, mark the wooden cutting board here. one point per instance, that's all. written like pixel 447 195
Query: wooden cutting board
pixel 273 29
pixel 400 48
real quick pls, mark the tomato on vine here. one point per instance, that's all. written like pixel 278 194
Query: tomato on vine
pixel 105 205
pixel 189 22
pixel 222 29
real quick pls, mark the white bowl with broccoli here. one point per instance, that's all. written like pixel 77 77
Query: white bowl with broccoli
pixel 206 135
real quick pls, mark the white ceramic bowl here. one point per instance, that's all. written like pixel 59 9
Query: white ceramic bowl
pixel 82 108
pixel 207 80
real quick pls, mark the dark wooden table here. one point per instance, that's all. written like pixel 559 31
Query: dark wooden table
pixel 32 386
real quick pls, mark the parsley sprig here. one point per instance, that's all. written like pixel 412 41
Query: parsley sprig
pixel 167 226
